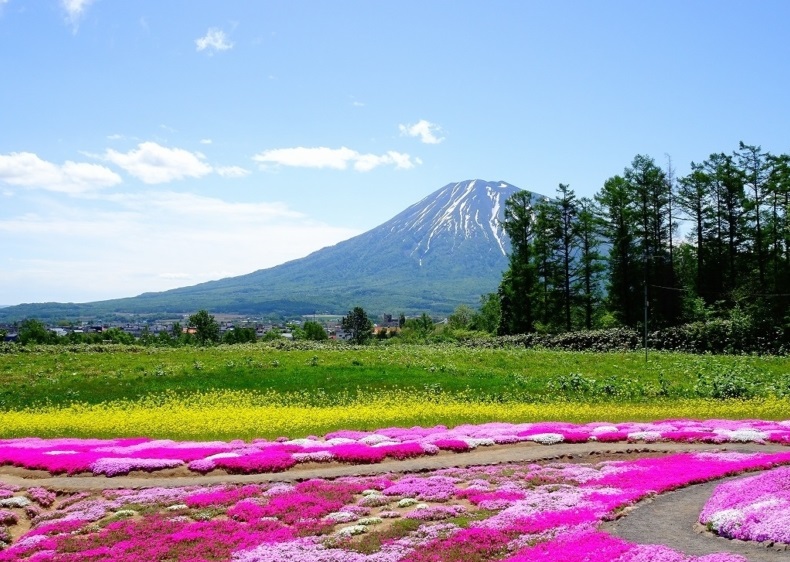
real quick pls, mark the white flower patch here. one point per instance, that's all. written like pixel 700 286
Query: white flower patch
pixel 480 442
pixel 304 442
pixel 339 441
pixel 177 507
pixel 547 438
pixel 407 502
pixel 341 517
pixel 604 429
pixel 726 519
pixel 367 521
pixel 646 436
pixel 375 439
pixel 351 531
pixel 385 444
pixel 15 501
pixel 743 435
pixel 61 452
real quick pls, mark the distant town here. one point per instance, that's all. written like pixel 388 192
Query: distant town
pixel 227 323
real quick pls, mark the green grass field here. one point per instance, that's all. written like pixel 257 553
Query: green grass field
pixel 260 390
pixel 331 374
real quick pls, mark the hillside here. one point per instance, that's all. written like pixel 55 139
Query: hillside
pixel 445 250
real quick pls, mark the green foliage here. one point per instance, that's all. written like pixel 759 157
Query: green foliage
pixel 314 331
pixel 357 324
pixel 487 319
pixel 33 331
pixel 239 335
pixel 461 318
pixel 206 327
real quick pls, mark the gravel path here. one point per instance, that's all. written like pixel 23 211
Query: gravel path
pixel 670 519
pixel 519 452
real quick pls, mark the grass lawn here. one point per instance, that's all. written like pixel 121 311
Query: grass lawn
pixel 262 391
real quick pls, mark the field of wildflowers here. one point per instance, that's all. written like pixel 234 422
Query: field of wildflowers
pixel 113 457
pixel 249 415
pixel 218 410
pixel 512 512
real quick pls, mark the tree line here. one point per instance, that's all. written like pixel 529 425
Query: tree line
pixel 621 258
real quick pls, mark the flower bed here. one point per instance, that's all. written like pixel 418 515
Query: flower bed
pixel 514 512
pixel 752 509
pixel 114 457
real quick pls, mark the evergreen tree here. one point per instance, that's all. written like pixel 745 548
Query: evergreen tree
pixel 358 325
pixel 618 217
pixel 588 233
pixel 518 282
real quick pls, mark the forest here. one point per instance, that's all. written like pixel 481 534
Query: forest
pixel 652 250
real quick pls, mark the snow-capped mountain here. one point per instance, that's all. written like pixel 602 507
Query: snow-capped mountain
pixel 445 250
pixel 458 213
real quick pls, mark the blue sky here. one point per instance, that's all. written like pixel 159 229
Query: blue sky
pixel 148 145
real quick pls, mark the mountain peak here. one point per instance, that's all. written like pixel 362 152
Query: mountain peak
pixel 460 211
pixel 445 250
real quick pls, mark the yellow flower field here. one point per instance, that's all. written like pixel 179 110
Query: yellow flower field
pixel 246 415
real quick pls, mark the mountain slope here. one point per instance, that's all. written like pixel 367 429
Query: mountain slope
pixel 445 250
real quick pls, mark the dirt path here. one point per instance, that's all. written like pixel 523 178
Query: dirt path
pixel 670 519
pixel 481 456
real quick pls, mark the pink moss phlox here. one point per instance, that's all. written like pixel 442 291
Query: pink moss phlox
pixel 466 544
pixel 431 488
pixel 455 445
pixel 273 460
pixel 8 517
pixel 478 496
pixel 576 546
pixel 222 496
pixel 358 454
pixel 41 496
pixel 756 508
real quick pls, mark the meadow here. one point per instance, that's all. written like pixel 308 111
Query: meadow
pixel 295 390
pixel 107 411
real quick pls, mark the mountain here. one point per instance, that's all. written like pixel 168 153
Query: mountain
pixel 445 250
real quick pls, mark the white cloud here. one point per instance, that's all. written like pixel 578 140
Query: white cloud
pixel 334 158
pixel 114 136
pixel 206 141
pixel 232 171
pixel 53 255
pixel 74 11
pixel 213 41
pixel 426 130
pixel 26 169
pixel 154 163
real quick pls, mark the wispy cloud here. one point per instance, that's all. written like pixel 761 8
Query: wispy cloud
pixel 206 141
pixel 334 158
pixel 207 238
pixel 74 11
pixel 232 171
pixel 26 169
pixel 153 163
pixel 426 131
pixel 214 40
